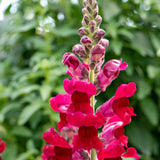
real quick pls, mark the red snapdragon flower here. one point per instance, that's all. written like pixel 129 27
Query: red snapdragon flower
pixel 59 148
pixel 2 147
pixel 115 151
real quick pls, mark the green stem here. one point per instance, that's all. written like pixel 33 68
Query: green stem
pixel 91 79
pixel 93 154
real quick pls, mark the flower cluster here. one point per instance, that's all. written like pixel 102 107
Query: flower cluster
pixel 78 137
pixel 2 147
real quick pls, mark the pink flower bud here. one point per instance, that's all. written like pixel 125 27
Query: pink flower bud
pixel 110 71
pixel 104 42
pixel 85 3
pixel 97 52
pixel 98 20
pixel 92 26
pixel 70 60
pixel 89 9
pixel 83 31
pixel 90 1
pixel 95 13
pixel 83 11
pixel 86 41
pixel 75 68
pixel 80 50
pixel 101 33
pixel 86 19
pixel 95 5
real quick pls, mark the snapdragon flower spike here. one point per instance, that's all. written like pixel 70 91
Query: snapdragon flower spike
pixel 110 71
pixel 79 124
pixel 75 69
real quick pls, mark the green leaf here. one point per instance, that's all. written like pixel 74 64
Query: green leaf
pixel 156 43
pixel 21 131
pixel 142 44
pixel 28 112
pixel 7 109
pixel 153 71
pixel 150 110
pixel 10 151
pixel 24 90
pixel 110 9
pixel 142 139
pixel 64 32
pixel 116 46
pixel 45 91
pixel 144 89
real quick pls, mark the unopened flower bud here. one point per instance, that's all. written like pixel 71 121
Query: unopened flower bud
pixel 75 68
pixel 95 13
pixel 95 5
pixel 92 65
pixel 83 32
pixel 85 3
pixel 92 26
pixel 104 42
pixel 80 50
pixel 89 9
pixel 110 71
pixel 97 52
pixel 90 2
pixel 86 41
pixel 86 19
pixel 101 33
pixel 83 11
pixel 70 60
pixel 98 20
pixel 96 37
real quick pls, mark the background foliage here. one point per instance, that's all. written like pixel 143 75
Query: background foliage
pixel 35 34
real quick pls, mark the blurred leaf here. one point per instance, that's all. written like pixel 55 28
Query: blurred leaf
pixel 142 44
pixel 144 89
pixel 8 108
pixel 24 90
pixel 27 112
pixel 64 32
pixel 21 131
pixel 110 9
pixel 141 138
pixel 153 71
pixel 155 43
pixel 10 152
pixel 45 91
pixel 150 110
pixel 126 33
pixel 116 46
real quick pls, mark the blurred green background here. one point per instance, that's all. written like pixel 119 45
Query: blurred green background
pixel 35 34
